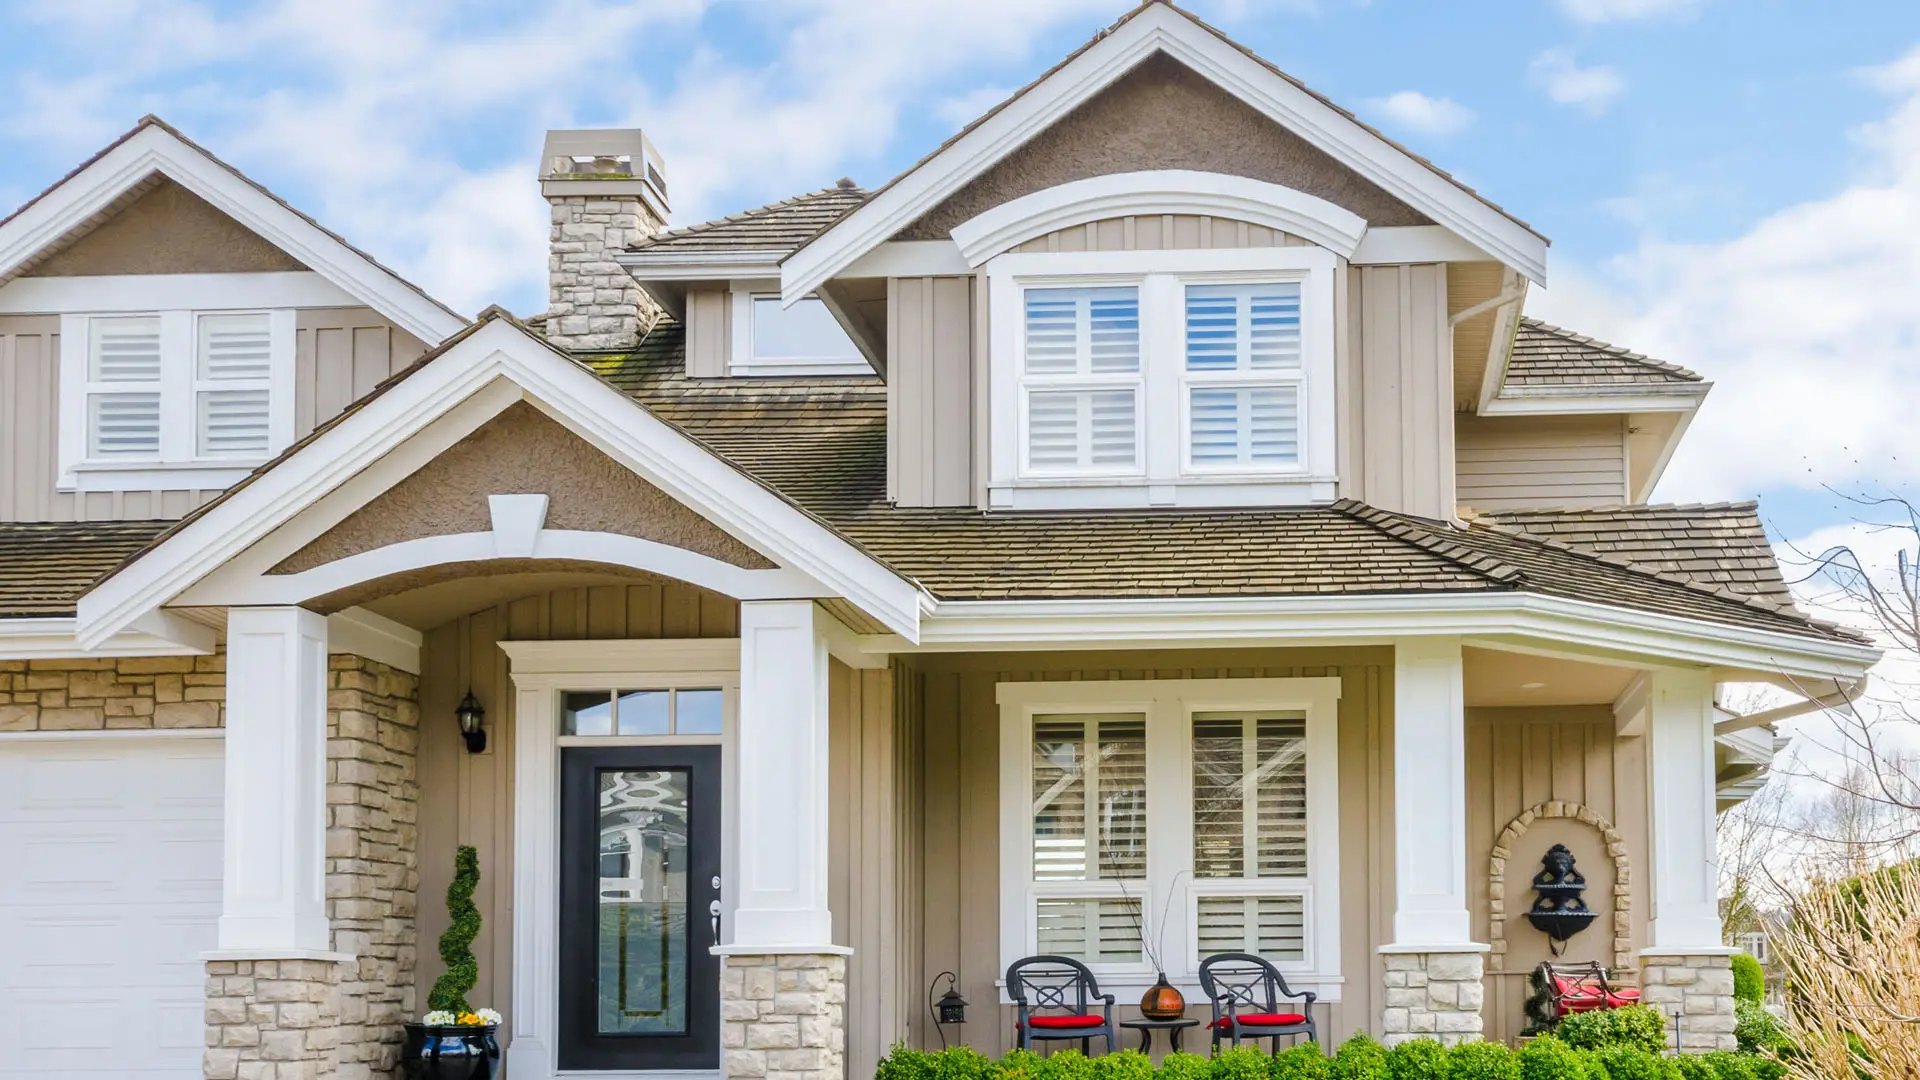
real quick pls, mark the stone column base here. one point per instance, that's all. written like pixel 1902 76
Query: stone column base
pixel 1434 995
pixel 1697 986
pixel 782 1017
pixel 272 1019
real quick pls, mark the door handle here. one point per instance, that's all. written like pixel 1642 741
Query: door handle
pixel 713 909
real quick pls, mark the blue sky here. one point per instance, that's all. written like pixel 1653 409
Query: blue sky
pixel 1730 184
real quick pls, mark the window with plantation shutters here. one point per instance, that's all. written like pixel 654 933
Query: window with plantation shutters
pixel 123 388
pixel 1243 374
pixel 1080 376
pixel 1089 797
pixel 1249 829
pixel 233 385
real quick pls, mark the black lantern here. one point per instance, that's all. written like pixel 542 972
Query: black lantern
pixel 470 714
pixel 950 1009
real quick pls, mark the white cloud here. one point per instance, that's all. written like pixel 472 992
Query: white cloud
pixel 1606 11
pixel 1566 82
pixel 1809 324
pixel 1413 111
pixel 963 109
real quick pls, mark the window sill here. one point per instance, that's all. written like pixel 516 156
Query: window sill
pixel 156 476
pixel 1222 493
pixel 793 369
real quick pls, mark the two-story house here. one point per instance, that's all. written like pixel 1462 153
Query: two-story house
pixel 1149 518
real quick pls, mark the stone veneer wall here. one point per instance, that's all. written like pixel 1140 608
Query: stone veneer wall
pixel 328 1020
pixel 113 693
pixel 1700 989
pixel 592 302
pixel 1434 995
pixel 783 1017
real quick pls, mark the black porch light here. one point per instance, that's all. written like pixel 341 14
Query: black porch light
pixel 950 1009
pixel 470 714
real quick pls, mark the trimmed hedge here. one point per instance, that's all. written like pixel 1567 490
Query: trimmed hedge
pixel 1359 1058
pixel 1638 1027
pixel 1749 979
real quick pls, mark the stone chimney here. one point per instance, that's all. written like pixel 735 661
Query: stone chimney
pixel 607 191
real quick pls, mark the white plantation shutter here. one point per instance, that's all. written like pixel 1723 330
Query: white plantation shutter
pixel 1244 365
pixel 1269 926
pixel 1081 370
pixel 123 425
pixel 1094 931
pixel 232 385
pixel 1089 797
pixel 123 387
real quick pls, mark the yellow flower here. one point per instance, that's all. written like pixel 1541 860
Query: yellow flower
pixel 468 1019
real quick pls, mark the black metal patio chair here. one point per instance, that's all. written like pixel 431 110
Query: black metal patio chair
pixel 1247 994
pixel 1067 990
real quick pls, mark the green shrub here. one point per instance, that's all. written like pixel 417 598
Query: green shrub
pixel 1749 979
pixel 905 1063
pixel 962 1063
pixel 1066 1065
pixel 1632 1063
pixel 1482 1061
pixel 1693 1067
pixel 463 971
pixel 1638 1026
pixel 1759 1031
pixel 1417 1059
pixel 1547 1058
pixel 1359 1058
pixel 1729 1066
pixel 1247 1062
pixel 1301 1061
pixel 1017 1065
pixel 1185 1066
pixel 1123 1065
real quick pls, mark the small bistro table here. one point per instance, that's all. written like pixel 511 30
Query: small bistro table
pixel 1146 1028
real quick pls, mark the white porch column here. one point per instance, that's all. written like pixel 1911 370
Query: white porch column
pixel 274 901
pixel 1686 872
pixel 781 898
pixel 1429 796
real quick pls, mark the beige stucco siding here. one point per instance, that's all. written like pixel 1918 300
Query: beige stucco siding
pixel 961 803
pixel 166 230
pixel 340 354
pixel 930 390
pixel 1394 364
pixel 1510 462
pixel 1520 758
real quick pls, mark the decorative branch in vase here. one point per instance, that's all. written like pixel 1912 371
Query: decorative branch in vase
pixel 1163 1000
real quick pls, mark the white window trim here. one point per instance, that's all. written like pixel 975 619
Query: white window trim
pixel 179 463
pixel 742 361
pixel 1082 382
pixel 1168 705
pixel 1165 478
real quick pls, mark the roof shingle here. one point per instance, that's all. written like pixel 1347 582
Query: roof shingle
pixel 1547 356
pixel 44 566
pixel 780 226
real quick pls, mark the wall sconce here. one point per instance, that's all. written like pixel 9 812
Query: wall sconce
pixel 469 713
pixel 950 1009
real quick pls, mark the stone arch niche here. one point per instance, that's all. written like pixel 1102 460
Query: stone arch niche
pixel 1616 850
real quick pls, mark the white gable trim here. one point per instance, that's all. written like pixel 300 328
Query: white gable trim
pixel 1160 28
pixel 1158 191
pixel 154 149
pixel 496 364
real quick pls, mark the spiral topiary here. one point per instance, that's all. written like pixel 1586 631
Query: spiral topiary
pixel 463 971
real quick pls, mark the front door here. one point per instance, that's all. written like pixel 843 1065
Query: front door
pixel 639 903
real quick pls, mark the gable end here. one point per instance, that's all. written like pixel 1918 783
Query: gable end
pixel 166 230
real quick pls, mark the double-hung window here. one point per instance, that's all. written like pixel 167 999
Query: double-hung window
pixel 1143 378
pixel 1146 825
pixel 173 397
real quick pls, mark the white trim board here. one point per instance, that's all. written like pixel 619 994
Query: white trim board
pixel 154 149
pixel 159 634
pixel 496 364
pixel 1160 28
pixel 110 293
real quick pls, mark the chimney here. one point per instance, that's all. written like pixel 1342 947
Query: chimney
pixel 608 192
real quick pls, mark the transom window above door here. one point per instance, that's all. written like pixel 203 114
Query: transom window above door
pixel 642 712
pixel 1139 378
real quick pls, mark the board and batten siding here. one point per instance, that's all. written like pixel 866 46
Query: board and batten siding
pixel 468 798
pixel 960 800
pixel 340 354
pixel 709 333
pixel 1394 359
pixel 1518 758
pixel 931 390
pixel 1512 462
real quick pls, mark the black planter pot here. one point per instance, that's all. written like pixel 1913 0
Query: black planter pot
pixel 449 1052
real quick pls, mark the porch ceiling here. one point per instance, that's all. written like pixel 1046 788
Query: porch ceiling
pixel 1495 678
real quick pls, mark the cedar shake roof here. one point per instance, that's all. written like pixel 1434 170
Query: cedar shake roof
pixel 44 566
pixel 1546 356
pixel 1709 544
pixel 780 226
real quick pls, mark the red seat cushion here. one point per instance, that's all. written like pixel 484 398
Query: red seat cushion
pixel 1263 1020
pixel 1068 1022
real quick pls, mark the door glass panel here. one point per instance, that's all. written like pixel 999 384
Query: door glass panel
pixel 587 713
pixel 697 712
pixel 642 712
pixel 642 948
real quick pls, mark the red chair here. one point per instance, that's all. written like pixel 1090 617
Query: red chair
pixel 1067 988
pixel 1578 988
pixel 1248 994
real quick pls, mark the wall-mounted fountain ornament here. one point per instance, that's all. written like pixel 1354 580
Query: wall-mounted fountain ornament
pixel 1559 912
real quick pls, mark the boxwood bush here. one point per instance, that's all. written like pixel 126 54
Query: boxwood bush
pixel 1359 1058
pixel 1639 1027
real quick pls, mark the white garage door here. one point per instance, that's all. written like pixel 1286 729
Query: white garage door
pixel 109 892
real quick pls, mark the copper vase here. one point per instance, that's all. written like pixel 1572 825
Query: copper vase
pixel 1162 1000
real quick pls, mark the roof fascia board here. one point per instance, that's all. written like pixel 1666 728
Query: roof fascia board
pixel 52 638
pixel 647 265
pixel 154 149
pixel 1150 622
pixel 1506 326
pixel 1159 28
pixel 586 405
pixel 1660 463
pixel 1395 245
pixel 1598 398
pixel 909 258
pixel 1152 192
pixel 160 292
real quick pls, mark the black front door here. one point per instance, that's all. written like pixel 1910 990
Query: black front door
pixel 639 879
